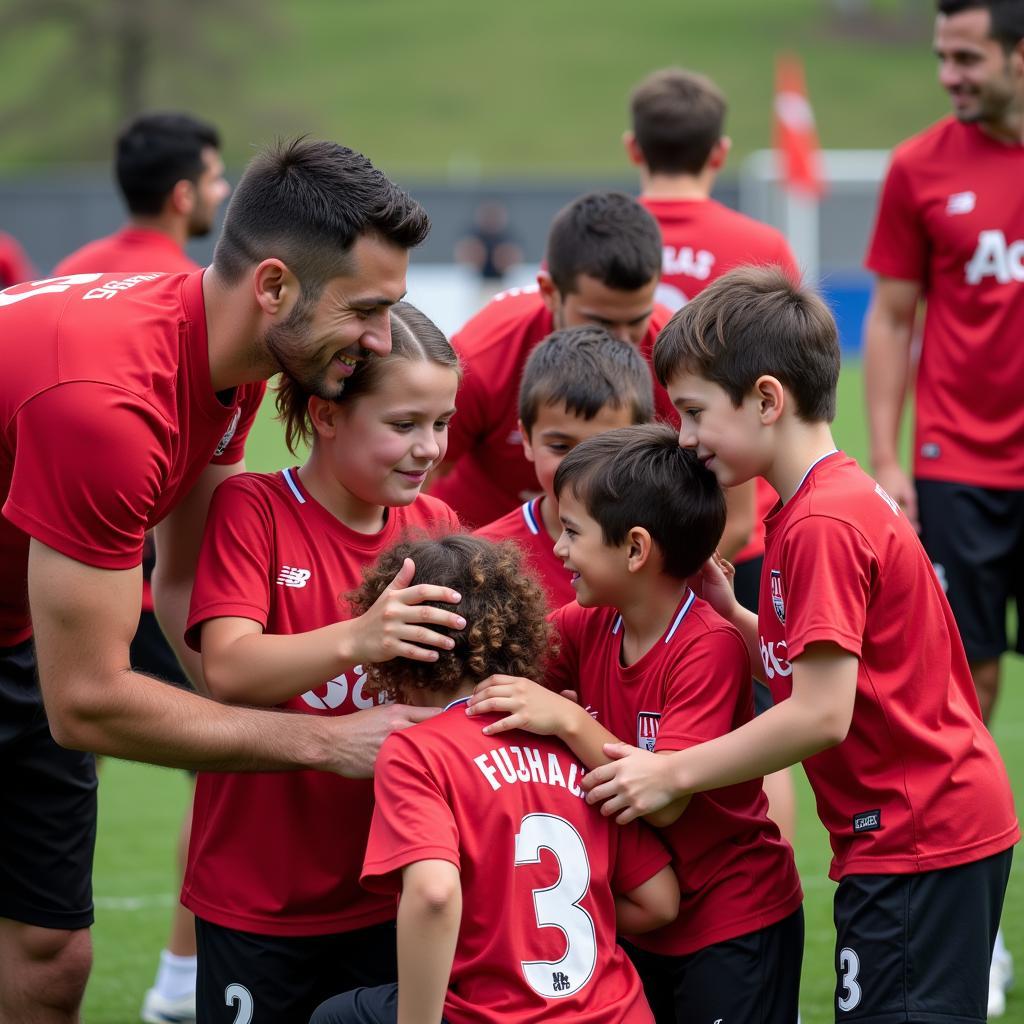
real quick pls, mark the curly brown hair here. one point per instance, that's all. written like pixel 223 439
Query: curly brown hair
pixel 504 607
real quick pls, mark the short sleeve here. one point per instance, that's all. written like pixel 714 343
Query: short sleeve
pixel 231 450
pixel 233 573
pixel 899 243
pixel 639 857
pixel 828 570
pixel 702 688
pixel 90 463
pixel 563 670
pixel 412 819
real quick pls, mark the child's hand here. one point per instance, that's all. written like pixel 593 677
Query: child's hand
pixel 714 583
pixel 395 626
pixel 634 783
pixel 529 706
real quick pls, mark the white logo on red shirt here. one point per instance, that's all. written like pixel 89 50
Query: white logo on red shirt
pixel 222 445
pixel 334 692
pixel 994 257
pixel 687 261
pixel 960 203
pixel 46 286
pixel 647 723
pixel 289 576
pixel 111 288
pixel 773 657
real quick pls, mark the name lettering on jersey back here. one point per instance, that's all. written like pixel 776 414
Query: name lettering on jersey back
pixel 512 765
pixel 689 262
pixel 109 289
pixel 994 257
pixel 773 658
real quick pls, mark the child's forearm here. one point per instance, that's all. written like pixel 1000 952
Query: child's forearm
pixel 585 736
pixel 428 927
pixel 746 622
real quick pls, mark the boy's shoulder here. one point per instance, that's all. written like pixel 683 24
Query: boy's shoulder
pixel 515 313
pixel 520 522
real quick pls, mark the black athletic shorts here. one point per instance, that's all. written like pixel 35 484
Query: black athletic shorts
pixel 747 585
pixel 363 1006
pixel 918 947
pixel 975 539
pixel 47 808
pixel 754 978
pixel 244 977
pixel 152 654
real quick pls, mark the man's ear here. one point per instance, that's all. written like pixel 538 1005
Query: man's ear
pixel 182 198
pixel 548 291
pixel 639 547
pixel 527 444
pixel 275 287
pixel 632 148
pixel 771 398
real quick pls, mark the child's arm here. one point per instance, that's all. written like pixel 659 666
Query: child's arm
pixel 242 664
pixel 817 716
pixel 714 584
pixel 651 905
pixel 429 915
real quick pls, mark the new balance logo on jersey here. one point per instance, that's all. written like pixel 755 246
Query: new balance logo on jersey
pixel 289 576
pixel 647 723
pixel 995 257
pixel 778 598
pixel 960 203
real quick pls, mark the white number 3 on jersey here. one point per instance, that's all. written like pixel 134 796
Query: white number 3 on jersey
pixel 558 905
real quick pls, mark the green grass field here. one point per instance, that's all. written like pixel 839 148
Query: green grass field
pixel 140 808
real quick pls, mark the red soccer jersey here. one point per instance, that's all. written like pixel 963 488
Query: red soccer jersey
pixel 538 868
pixel 918 783
pixel 130 250
pixel 14 264
pixel 107 418
pixel 951 219
pixel 489 473
pixel 279 853
pixel 702 240
pixel 525 526
pixel 736 873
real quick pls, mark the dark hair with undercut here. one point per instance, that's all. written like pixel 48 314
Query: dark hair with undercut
pixel 585 369
pixel 506 630
pixel 413 336
pixel 608 236
pixel 639 476
pixel 156 151
pixel 677 116
pixel 307 203
pixel 1007 17
pixel 751 322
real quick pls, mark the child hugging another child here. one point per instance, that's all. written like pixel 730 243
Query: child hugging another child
pixel 511 886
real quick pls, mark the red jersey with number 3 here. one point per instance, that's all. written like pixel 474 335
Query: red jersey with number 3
pixel 107 419
pixel 526 527
pixel 736 873
pixel 951 218
pixel 918 783
pixel 538 867
pixel 489 473
pixel 279 853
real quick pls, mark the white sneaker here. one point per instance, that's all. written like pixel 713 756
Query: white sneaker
pixel 158 1009
pixel 1000 980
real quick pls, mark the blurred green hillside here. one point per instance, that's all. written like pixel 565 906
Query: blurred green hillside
pixel 448 88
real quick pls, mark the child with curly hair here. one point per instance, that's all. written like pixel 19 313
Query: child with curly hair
pixel 510 886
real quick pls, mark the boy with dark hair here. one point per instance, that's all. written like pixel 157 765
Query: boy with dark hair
pixel 510 886
pixel 602 265
pixel 856 639
pixel 578 382
pixel 653 662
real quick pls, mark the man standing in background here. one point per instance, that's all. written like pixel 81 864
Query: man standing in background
pixel 171 176
pixel 950 233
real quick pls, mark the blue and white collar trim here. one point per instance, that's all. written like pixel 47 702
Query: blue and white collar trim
pixel 676 622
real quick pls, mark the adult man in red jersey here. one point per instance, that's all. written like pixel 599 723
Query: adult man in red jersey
pixel 171 177
pixel 124 400
pixel 677 141
pixel 950 233
pixel 601 267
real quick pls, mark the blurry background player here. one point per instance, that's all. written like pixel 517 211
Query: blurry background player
pixel 280 910
pixel 602 264
pixel 489 248
pixel 578 382
pixel 678 143
pixel 15 266
pixel 511 886
pixel 950 232
pixel 171 176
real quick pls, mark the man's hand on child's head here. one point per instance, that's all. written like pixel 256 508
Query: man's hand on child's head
pixel 527 704
pixel 634 783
